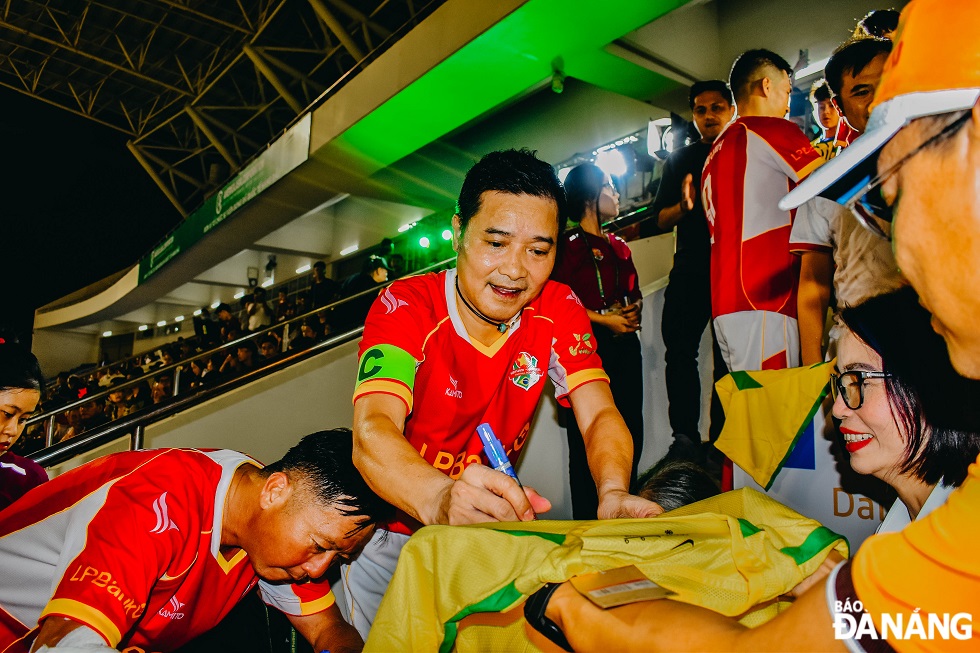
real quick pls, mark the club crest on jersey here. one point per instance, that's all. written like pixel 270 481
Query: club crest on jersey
pixel 583 346
pixel 597 254
pixel 524 373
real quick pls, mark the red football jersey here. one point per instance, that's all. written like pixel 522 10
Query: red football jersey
pixel 752 165
pixel 416 348
pixel 129 545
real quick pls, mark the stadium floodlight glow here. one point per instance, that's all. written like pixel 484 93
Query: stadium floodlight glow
pixel 611 162
pixel 197 312
pixel 179 318
pixel 447 234
pixel 405 227
pixel 267 282
pixel 303 268
pixel 106 334
pixel 348 250
pixel 143 327
pixel 162 323
pixel 424 242
pixel 563 174
pixel 815 67
pixel 239 294
pixel 216 305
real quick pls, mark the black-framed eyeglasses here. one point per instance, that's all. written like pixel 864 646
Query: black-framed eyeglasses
pixel 850 386
pixel 870 207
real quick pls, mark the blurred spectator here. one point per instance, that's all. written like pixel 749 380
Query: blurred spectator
pixel 397 263
pixel 834 131
pixel 307 337
pixel 323 290
pixel 284 308
pixel 351 313
pixel 162 388
pixel 226 321
pixel 268 349
pixel 116 405
pixel 676 483
pixel 258 310
pixel 243 360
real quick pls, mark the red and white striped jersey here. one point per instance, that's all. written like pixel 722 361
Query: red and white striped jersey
pixel 129 545
pixel 752 165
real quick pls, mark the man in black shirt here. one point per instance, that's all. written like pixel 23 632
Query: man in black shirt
pixel 687 300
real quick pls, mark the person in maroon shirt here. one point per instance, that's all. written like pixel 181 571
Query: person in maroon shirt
pixel 599 268
pixel 20 392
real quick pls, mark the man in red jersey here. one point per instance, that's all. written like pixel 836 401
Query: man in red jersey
pixel 444 353
pixel 146 550
pixel 751 166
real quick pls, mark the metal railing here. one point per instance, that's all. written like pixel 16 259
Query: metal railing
pixel 49 417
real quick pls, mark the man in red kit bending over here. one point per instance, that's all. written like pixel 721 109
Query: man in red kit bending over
pixel 146 550
pixel 444 353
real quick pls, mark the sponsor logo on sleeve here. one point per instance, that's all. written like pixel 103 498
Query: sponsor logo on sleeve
pixel 524 372
pixel 572 296
pixel 391 302
pixel 164 523
pixel 584 345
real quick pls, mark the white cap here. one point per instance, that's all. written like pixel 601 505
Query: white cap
pixel 851 170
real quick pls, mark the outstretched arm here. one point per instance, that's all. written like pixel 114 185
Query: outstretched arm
pixel 396 471
pixel 609 449
pixel 667 625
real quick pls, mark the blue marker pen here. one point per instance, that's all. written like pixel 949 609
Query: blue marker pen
pixel 495 451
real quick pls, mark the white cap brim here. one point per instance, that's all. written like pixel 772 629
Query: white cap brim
pixel 850 171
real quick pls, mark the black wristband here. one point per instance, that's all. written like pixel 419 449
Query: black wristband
pixel 534 609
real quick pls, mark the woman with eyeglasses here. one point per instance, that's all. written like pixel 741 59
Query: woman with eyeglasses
pixel 906 416
pixel 599 268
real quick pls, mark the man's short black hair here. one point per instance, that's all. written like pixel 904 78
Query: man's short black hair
pixel 697 88
pixel 518 172
pixel 320 265
pixel 878 23
pixel 747 67
pixel 851 57
pixel 675 483
pixel 322 463
pixel 820 91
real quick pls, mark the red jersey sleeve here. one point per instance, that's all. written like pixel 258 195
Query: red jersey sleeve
pixel 394 334
pixel 790 150
pixel 574 361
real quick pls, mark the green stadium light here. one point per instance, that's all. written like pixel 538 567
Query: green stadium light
pixel 447 234
pixel 424 242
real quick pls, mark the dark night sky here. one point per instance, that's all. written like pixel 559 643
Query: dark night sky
pixel 76 206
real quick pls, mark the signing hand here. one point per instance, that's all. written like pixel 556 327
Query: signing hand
pixel 483 495
pixel 632 314
pixel 620 505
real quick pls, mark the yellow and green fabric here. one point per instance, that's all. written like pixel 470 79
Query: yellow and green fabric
pixel 765 414
pixel 734 553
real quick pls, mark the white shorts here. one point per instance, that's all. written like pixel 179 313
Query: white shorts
pixel 758 340
pixel 366 578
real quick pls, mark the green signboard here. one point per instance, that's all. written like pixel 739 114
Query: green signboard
pixel 269 167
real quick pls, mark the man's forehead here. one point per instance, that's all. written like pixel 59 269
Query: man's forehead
pixel 707 98
pixel 503 211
